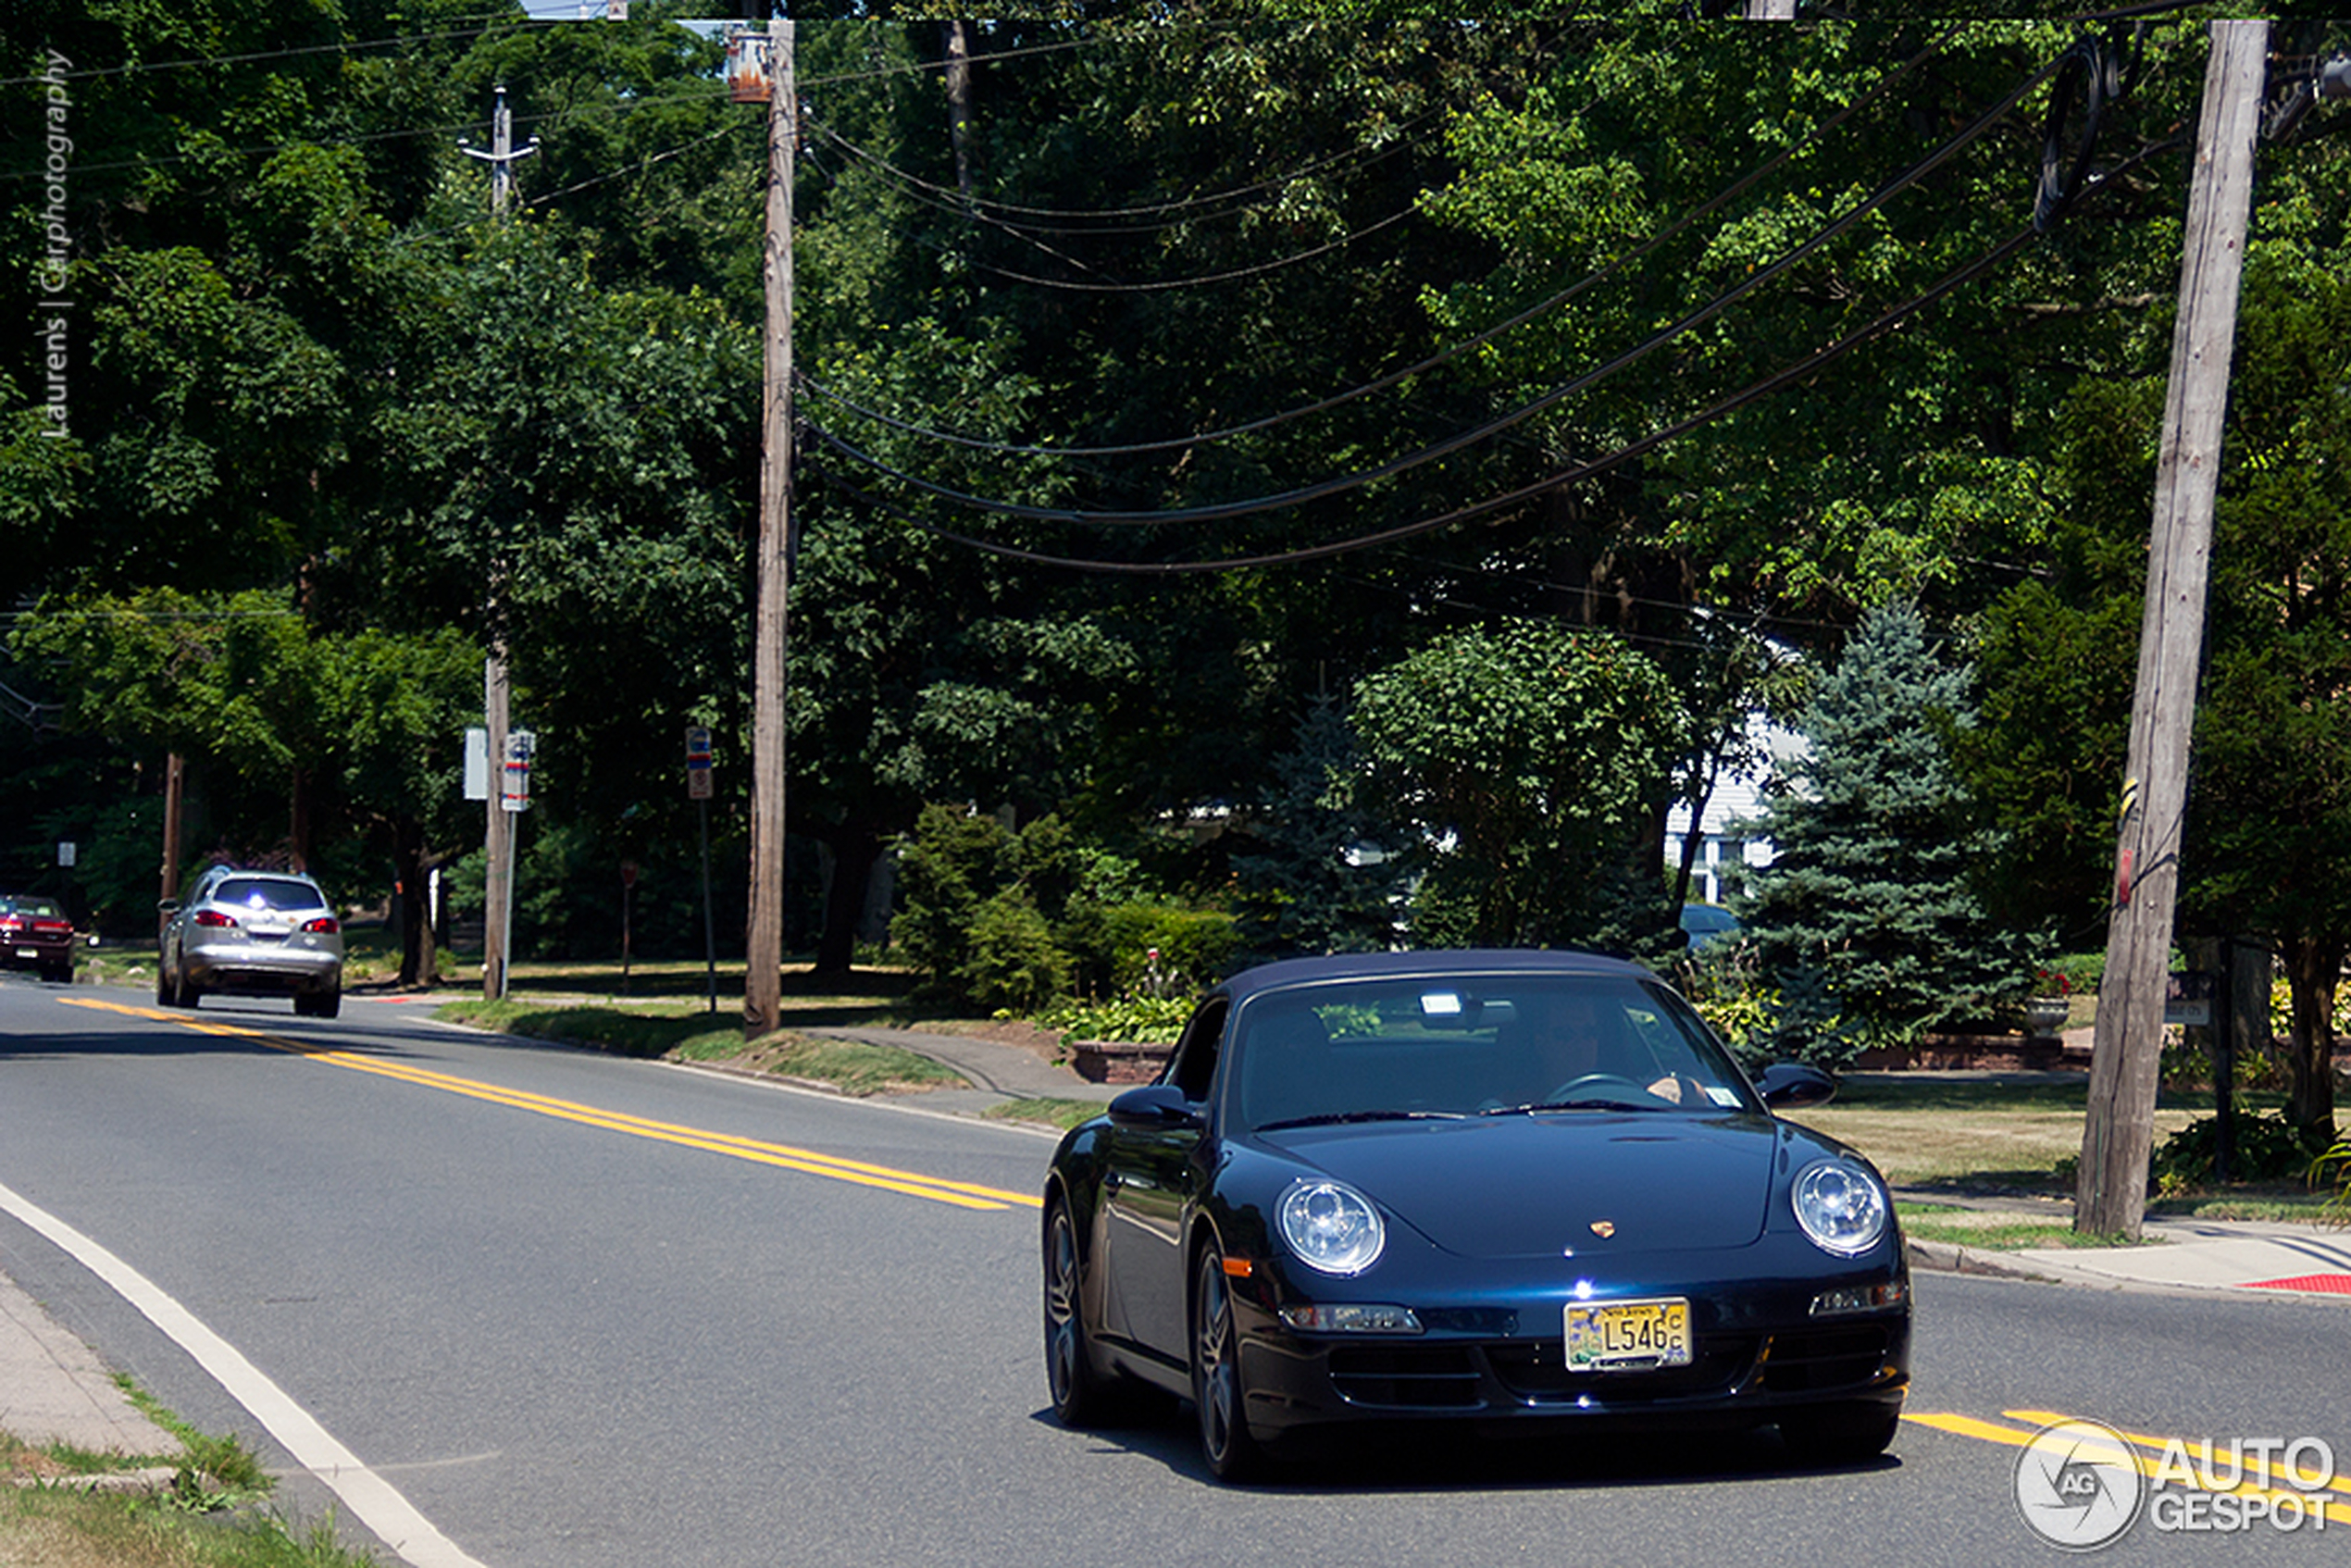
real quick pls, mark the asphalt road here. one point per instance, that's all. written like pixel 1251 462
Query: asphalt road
pixel 584 1312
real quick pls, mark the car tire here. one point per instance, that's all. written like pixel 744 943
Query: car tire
pixel 318 1004
pixel 1217 1392
pixel 1082 1396
pixel 58 973
pixel 1839 1434
pixel 164 997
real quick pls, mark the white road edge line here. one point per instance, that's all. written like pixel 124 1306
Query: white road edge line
pixel 371 1499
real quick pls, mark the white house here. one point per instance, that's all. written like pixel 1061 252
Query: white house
pixel 1732 812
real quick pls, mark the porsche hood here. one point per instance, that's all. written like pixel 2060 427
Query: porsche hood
pixel 1541 1186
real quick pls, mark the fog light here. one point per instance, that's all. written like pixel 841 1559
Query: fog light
pixel 1858 1298
pixel 1351 1318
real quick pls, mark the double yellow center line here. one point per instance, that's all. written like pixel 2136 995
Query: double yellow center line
pixel 959 1194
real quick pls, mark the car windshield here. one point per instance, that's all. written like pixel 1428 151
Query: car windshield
pixel 267 892
pixel 1465 1046
pixel 44 908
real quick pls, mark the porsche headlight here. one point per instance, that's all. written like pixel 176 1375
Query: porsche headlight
pixel 1841 1207
pixel 1331 1227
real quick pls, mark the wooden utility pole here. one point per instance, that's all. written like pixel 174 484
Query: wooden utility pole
pixel 2110 1197
pixel 498 836
pixel 175 774
pixel 764 943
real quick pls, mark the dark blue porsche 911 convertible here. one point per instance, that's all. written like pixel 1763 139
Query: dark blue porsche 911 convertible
pixel 1510 1188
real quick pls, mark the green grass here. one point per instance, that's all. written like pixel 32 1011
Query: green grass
pixel 1993 1230
pixel 63 1526
pixel 1056 1111
pixel 694 1035
pixel 56 1511
pixel 851 1066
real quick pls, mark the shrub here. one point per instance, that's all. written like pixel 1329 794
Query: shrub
pixel 1721 982
pixel 2334 1166
pixel 2073 973
pixel 1113 947
pixel 2266 1148
pixel 1139 1020
pixel 1012 962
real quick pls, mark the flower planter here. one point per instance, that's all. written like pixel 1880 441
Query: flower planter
pixel 2045 1015
pixel 1118 1062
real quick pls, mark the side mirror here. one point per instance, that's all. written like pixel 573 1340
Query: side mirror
pixel 1791 1086
pixel 167 907
pixel 1154 1107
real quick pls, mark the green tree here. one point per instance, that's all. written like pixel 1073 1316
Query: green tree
pixel 1530 762
pixel 345 736
pixel 1321 879
pixel 1868 920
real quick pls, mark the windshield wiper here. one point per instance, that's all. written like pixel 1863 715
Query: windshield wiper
pixel 1582 1103
pixel 1333 1118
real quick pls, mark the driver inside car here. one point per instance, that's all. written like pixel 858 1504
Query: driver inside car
pixel 1578 1036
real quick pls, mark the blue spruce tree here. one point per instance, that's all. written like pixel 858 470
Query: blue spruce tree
pixel 1868 919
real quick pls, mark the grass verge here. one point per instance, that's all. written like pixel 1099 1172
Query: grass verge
pixel 205 1507
pixel 1995 1230
pixel 851 1066
pixel 1063 1113
pixel 1967 1137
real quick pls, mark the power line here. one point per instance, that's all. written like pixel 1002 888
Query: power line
pixel 1443 357
pixel 1078 221
pixel 142 68
pixel 1809 365
pixel 1805 368
pixel 1462 440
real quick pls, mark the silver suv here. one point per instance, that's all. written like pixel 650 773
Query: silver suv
pixel 252 933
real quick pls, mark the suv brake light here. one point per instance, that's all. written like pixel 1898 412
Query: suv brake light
pixel 323 925
pixel 212 918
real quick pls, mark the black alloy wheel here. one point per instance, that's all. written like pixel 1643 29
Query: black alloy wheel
pixel 1225 1440
pixel 1079 1399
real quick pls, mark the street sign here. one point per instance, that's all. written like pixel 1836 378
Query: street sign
pixel 698 769
pixel 514 792
pixel 2187 998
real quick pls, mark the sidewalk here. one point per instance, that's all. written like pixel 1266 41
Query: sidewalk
pixel 2229 1256
pixel 997 1072
pixel 53 1390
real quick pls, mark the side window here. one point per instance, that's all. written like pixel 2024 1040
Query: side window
pixel 1193 1067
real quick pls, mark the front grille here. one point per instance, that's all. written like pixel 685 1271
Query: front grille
pixel 1524 1372
pixel 1406 1376
pixel 1536 1370
pixel 1812 1358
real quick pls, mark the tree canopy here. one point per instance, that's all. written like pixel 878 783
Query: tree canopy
pixel 1550 392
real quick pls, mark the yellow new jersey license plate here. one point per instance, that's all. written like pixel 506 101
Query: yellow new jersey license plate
pixel 1628 1335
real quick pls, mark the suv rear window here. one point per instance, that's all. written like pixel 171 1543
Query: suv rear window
pixel 267 892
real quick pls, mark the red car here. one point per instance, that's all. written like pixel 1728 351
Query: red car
pixel 35 934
